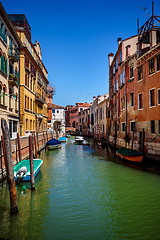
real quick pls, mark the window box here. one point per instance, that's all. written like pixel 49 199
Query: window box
pixel 121 86
pixel 131 80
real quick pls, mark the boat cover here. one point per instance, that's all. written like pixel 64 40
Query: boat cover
pixel 129 152
pixel 53 142
pixel 62 139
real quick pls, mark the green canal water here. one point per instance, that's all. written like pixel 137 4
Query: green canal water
pixel 84 195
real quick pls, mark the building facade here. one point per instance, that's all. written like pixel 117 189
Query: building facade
pixel 134 90
pixel 9 73
pixel 33 80
pixel 84 122
pixel 58 120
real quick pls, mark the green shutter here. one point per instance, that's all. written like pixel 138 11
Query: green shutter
pixel 6 67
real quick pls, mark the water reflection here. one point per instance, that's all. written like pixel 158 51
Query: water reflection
pixel 81 193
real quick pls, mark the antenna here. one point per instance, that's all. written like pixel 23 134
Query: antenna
pixel 145 10
pixel 138 24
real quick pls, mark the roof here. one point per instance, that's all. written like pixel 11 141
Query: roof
pixel 82 105
pixel 51 105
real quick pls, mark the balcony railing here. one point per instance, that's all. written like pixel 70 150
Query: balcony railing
pixel 14 79
pixel 40 98
pixel 13 54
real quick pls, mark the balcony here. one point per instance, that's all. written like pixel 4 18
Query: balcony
pixel 39 115
pixel 13 79
pixel 13 54
pixel 40 99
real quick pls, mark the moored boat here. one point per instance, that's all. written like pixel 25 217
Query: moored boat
pixel 79 139
pixel 129 154
pixel 25 164
pixel 53 144
pixel 62 139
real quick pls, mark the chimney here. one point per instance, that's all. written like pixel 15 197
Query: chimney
pixel 94 98
pixel 110 56
pixel 119 41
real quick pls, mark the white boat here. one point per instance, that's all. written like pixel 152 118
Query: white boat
pixel 79 139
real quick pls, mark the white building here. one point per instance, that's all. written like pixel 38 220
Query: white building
pixel 97 114
pixel 58 119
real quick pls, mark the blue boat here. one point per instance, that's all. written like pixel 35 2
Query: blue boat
pixel 62 139
pixel 37 163
pixel 53 144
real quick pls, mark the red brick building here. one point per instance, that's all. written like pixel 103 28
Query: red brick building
pixel 72 114
pixel 134 87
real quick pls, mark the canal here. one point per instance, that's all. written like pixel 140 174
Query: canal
pixel 82 194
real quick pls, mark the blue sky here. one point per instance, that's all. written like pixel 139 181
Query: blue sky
pixel 76 37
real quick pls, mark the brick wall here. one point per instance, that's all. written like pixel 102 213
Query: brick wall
pixel 24 143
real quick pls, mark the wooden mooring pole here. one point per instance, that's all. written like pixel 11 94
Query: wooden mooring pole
pixel 43 138
pixel 47 135
pixel 31 162
pixel 19 148
pixel 9 166
pixel 35 144
pixel 37 141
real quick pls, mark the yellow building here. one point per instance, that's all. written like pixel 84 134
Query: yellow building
pixel 9 73
pixel 33 80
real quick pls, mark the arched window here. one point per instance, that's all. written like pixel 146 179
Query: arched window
pixel 0 94
pixel 3 95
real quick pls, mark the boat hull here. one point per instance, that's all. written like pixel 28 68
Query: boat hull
pixel 37 163
pixel 52 147
pixel 130 158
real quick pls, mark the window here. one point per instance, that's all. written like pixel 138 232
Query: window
pixel 3 96
pixel 123 76
pixel 81 109
pixel 158 62
pixel 152 97
pixel 53 110
pixel 131 99
pixel 131 71
pixel 132 126
pixel 117 85
pixel 14 126
pixel 116 64
pixel 28 103
pixel 25 101
pixel 151 66
pixel 31 104
pixel 152 126
pixel 26 124
pixel 120 56
pixel 123 127
pixel 0 94
pixel 140 100
pixel 140 73
pixel 100 113
pixel 30 124
pixel 158 96
pixel 57 111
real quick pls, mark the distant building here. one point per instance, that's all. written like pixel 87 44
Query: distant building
pixel 98 118
pixel 58 119
pixel 9 73
pixel 72 114
pixel 84 122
